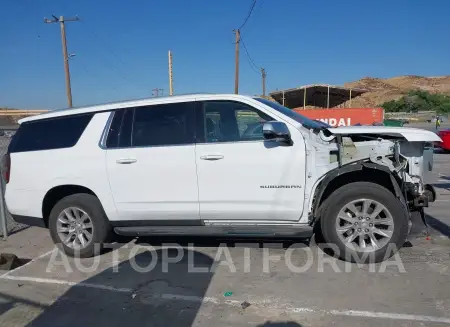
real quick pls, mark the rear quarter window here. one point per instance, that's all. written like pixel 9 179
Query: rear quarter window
pixel 47 134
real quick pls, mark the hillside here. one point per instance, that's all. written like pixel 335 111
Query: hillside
pixel 386 89
pixel 8 120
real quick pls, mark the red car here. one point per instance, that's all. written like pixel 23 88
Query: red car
pixel 445 136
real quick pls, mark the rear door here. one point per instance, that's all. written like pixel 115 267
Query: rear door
pixel 151 163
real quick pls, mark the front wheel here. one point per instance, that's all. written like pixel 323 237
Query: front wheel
pixel 365 222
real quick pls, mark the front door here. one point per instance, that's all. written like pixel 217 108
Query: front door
pixel 151 163
pixel 241 176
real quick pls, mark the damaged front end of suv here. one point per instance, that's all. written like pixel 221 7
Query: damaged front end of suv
pixel 399 159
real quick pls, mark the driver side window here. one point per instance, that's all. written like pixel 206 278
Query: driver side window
pixel 228 121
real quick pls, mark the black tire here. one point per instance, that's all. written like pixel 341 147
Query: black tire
pixel 363 190
pixel 101 226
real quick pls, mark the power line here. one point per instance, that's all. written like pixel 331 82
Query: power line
pixel 248 15
pixel 90 74
pixel 254 66
pixel 106 46
pixel 260 5
pixel 238 39
pixel 251 66
pixel 111 67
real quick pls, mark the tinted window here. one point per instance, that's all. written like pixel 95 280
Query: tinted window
pixel 119 134
pixel 126 128
pixel 250 124
pixel 228 121
pixel 112 140
pixel 167 124
pixel 54 133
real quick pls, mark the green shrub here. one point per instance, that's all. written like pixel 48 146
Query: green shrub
pixel 418 100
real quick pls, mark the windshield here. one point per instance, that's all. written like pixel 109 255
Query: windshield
pixel 306 122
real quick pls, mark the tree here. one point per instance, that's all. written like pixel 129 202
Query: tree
pixel 419 100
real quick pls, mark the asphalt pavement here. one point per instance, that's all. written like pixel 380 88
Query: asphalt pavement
pixel 429 126
pixel 218 282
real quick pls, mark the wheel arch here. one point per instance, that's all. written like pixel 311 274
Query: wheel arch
pixel 56 193
pixel 358 172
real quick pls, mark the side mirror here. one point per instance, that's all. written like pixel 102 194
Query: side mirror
pixel 277 131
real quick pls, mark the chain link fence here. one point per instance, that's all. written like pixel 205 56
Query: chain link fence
pixel 6 220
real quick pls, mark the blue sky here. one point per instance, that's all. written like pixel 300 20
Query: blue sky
pixel 121 46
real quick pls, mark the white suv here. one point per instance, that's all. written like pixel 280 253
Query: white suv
pixel 200 165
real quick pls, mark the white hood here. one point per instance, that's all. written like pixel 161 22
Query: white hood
pixel 410 134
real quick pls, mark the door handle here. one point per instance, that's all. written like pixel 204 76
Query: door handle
pixel 212 157
pixel 126 161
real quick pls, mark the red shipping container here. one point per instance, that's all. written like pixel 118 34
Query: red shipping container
pixel 345 116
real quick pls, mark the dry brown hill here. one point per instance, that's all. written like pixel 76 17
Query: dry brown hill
pixel 387 89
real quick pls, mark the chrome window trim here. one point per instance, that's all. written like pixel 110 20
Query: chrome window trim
pixel 150 146
pixel 106 129
pixel 188 144
pixel 234 142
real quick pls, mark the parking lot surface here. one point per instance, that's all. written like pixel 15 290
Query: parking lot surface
pixel 210 282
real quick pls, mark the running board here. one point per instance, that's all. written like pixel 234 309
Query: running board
pixel 230 231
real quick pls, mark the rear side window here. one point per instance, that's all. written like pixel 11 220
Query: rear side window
pixel 165 124
pixel 47 134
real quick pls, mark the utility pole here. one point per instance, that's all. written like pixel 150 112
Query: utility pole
pixel 170 74
pixel 236 76
pixel 61 20
pixel 263 75
pixel 156 92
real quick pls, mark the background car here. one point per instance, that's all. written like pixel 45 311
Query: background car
pixel 445 136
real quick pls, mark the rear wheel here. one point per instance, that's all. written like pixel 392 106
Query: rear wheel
pixel 365 222
pixel 78 225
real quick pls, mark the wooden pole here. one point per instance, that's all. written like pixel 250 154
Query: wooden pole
pixel 328 97
pixel 304 98
pixel 350 98
pixel 66 61
pixel 236 76
pixel 263 75
pixel 170 74
pixel 62 21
